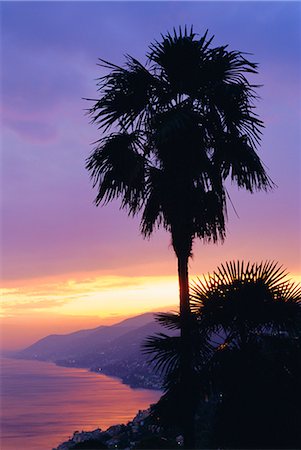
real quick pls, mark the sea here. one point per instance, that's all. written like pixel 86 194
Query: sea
pixel 43 404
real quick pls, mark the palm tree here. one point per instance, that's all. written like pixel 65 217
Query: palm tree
pixel 173 131
pixel 247 347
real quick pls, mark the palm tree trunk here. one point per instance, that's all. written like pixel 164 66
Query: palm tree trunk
pixel 187 403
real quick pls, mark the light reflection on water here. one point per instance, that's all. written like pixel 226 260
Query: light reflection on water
pixel 42 404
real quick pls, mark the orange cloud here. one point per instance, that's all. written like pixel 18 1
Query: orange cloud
pixel 102 295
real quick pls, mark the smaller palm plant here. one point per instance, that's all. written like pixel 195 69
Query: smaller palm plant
pixel 244 300
pixel 245 317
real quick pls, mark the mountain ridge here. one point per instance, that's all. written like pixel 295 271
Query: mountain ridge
pixel 110 349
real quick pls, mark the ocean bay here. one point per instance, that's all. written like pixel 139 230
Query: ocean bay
pixel 43 404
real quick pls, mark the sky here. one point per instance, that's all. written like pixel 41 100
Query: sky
pixel 66 264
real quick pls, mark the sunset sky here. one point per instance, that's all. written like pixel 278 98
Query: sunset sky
pixel 67 264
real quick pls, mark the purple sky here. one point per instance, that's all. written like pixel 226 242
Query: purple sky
pixel 49 53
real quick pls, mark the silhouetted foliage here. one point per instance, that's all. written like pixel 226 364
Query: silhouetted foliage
pixel 173 131
pixel 246 330
pixel 261 395
pixel 90 444
pixel 156 443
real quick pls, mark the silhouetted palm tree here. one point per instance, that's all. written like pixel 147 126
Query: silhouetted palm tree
pixel 246 323
pixel 173 131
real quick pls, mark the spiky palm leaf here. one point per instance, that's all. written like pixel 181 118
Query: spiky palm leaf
pixel 165 351
pixel 125 95
pixel 169 320
pixel 118 170
pixel 247 298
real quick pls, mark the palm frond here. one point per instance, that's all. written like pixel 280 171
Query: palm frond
pixel 125 94
pixel 170 321
pixel 177 59
pixel 164 351
pixel 236 157
pixel 235 104
pixel 230 66
pixel 153 214
pixel 118 170
pixel 253 297
pixel 209 212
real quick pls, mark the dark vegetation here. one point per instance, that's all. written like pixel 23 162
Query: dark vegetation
pixel 246 340
pixel 91 444
pixel 155 442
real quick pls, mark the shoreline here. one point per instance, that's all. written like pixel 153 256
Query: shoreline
pixel 10 355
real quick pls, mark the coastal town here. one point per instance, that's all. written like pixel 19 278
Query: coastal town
pixel 141 432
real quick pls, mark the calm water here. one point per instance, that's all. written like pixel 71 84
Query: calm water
pixel 43 404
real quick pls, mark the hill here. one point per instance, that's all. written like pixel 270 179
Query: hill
pixel 80 343
pixel 114 350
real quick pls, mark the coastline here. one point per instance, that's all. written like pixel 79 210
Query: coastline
pixel 142 383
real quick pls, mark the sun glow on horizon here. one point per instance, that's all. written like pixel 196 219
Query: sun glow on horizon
pixel 36 308
pixel 102 295
pixel 32 309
